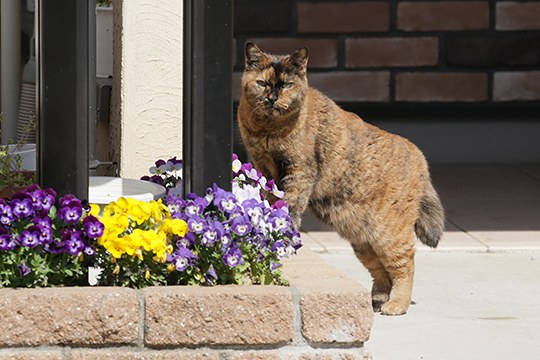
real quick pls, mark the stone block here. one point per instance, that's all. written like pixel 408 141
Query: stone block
pixel 224 315
pixel 334 311
pixel 122 354
pixel 31 355
pixel 68 316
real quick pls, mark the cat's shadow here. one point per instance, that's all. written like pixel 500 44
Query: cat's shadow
pixel 311 223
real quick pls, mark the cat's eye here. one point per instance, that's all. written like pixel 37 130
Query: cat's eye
pixel 261 83
pixel 286 85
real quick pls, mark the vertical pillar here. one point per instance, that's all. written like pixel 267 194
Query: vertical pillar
pixel 207 115
pixel 10 67
pixel 64 106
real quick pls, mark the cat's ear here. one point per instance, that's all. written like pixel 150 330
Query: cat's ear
pixel 254 56
pixel 299 59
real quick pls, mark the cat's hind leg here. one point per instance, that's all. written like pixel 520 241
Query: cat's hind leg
pixel 398 261
pixel 382 284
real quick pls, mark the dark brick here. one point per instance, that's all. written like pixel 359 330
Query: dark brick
pixel 353 86
pixel 493 50
pixel 441 87
pixel 337 17
pixel 442 15
pixel 393 51
pixel 258 16
pixel 518 15
pixel 520 86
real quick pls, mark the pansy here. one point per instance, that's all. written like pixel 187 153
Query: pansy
pixel 224 200
pixel 24 270
pixel 159 168
pixel 236 164
pixel 45 234
pixel 280 220
pixel 183 258
pixel 196 224
pixel 279 248
pixel 6 214
pixel 246 192
pixel 93 228
pixel 6 243
pixel 273 188
pixel 174 164
pixel 30 237
pixel 210 276
pixel 233 257
pixel 212 233
pixel 241 226
pixel 70 200
pixel 71 213
pixel 196 206
pixel 21 207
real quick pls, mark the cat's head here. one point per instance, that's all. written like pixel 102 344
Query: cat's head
pixel 275 85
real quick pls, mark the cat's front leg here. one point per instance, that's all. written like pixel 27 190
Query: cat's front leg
pixel 298 186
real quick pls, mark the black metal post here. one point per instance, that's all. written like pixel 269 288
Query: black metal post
pixel 65 84
pixel 207 123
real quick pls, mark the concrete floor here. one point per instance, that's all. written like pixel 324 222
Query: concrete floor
pixel 478 295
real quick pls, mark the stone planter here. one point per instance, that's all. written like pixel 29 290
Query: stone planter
pixel 321 315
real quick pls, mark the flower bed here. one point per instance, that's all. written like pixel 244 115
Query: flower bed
pixel 222 237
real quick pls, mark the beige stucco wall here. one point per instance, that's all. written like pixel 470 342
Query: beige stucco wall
pixel 146 114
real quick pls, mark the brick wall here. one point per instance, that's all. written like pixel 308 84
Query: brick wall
pixel 404 52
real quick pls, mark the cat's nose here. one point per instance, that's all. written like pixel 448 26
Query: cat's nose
pixel 271 100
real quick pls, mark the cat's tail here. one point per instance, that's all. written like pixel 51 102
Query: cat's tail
pixel 430 224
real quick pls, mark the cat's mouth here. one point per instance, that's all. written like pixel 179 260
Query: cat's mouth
pixel 276 108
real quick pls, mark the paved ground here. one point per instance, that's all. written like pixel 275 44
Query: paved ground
pixel 478 295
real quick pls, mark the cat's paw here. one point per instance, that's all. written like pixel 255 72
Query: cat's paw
pixel 378 300
pixel 393 307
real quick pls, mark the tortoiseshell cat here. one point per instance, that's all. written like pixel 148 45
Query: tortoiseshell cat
pixel 373 187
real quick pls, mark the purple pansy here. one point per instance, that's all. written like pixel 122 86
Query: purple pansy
pixel 279 249
pixel 183 258
pixel 6 214
pixel 93 228
pixel 196 224
pixel 233 257
pixel 71 212
pixel 70 200
pixel 212 233
pixel 210 276
pixel 225 201
pixel 74 244
pixel 196 206
pixel 187 241
pixel 21 207
pixel 6 242
pixel 30 237
pixel 241 226
pixel 24 270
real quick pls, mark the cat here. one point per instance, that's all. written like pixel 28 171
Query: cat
pixel 371 186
